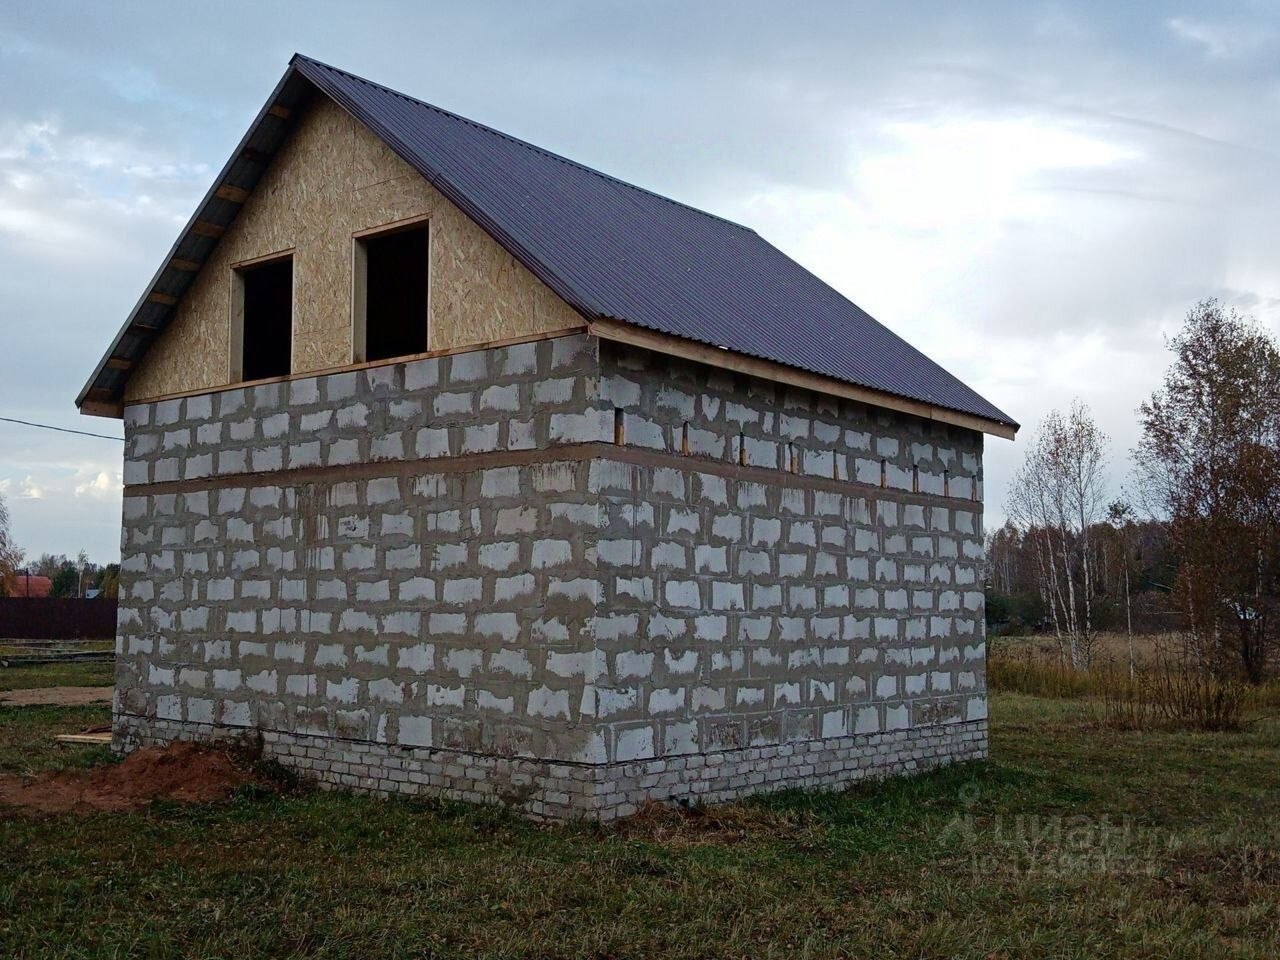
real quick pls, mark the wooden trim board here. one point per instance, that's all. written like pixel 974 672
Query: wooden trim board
pixel 631 335
pixel 348 367
pixel 85 739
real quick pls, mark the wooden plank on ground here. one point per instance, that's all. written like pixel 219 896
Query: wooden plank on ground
pixel 87 739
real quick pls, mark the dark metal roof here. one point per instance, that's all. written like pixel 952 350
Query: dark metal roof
pixel 616 251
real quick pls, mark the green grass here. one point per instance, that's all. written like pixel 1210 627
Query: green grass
pixel 27 745
pixel 41 675
pixel 1074 841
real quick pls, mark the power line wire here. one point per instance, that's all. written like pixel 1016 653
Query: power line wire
pixel 45 426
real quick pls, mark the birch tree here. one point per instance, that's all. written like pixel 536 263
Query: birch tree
pixel 1057 497
pixel 1209 462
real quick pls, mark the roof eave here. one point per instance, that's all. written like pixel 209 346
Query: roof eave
pixel 97 400
pixel 621 331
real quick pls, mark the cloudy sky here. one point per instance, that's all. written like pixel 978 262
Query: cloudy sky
pixel 1033 194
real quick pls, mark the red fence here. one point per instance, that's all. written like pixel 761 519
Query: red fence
pixel 57 618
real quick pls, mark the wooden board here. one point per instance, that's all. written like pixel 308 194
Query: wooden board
pixel 87 739
pixel 792 376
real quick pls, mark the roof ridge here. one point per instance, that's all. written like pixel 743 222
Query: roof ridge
pixel 525 143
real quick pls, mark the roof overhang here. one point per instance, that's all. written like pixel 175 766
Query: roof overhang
pixel 726 359
pixel 103 394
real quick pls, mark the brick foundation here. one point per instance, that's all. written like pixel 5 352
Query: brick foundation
pixel 550 790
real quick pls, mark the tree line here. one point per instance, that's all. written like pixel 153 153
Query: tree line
pixel 69 577
pixel 1192 545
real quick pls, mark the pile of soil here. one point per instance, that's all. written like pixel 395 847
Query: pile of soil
pixel 182 772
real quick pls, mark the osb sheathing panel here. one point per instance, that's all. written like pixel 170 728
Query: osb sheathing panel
pixel 330 180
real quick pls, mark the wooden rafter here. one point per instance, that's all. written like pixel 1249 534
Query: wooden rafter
pixel 102 408
pixel 210 222
pixel 203 228
pixel 232 194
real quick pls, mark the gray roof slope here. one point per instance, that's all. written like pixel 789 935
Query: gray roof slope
pixel 616 251
pixel 610 249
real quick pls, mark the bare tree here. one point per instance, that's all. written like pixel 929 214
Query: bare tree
pixel 10 555
pixel 1120 516
pixel 82 564
pixel 1209 461
pixel 1057 497
pixel 1003 546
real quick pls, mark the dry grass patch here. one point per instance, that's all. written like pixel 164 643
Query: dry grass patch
pixel 727 824
pixel 1165 690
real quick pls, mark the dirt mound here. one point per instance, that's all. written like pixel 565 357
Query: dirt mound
pixel 183 772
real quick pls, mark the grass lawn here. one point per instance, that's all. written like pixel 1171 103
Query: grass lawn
pixel 1073 841
pixel 27 745
pixel 41 675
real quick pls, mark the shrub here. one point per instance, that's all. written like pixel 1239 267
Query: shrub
pixel 1174 693
pixel 1169 690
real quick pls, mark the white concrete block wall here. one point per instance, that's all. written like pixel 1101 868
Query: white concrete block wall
pixel 444 575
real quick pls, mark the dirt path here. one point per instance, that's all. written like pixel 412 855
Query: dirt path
pixel 55 697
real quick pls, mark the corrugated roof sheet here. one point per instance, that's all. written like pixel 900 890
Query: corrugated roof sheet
pixel 617 251
pixel 610 249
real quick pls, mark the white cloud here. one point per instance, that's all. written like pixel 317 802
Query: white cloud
pixel 1041 256
pixel 72 196
pixel 1223 41
pixel 103 485
pixel 982 170
pixel 30 490
pixel 64 492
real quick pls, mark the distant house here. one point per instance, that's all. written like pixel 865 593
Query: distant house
pixel 455 466
pixel 26 585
